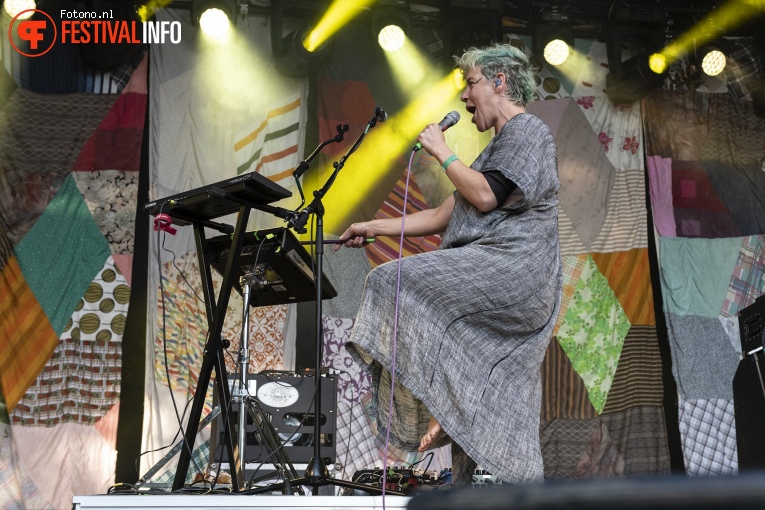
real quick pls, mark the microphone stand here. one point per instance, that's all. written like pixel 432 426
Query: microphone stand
pixel 316 473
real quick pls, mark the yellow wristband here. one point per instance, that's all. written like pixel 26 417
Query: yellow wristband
pixel 448 161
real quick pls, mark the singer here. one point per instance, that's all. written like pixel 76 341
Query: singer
pixel 475 317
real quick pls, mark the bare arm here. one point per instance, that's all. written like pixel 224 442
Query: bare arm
pixel 421 223
pixel 471 184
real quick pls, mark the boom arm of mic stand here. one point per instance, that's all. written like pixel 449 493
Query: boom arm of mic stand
pixel 299 219
pixel 303 165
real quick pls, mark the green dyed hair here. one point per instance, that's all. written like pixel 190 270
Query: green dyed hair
pixel 502 58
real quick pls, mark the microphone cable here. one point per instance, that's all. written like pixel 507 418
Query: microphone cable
pixel 395 325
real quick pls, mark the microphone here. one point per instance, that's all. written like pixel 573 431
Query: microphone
pixel 381 115
pixel 451 119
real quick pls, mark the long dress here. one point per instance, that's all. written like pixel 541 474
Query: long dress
pixel 475 317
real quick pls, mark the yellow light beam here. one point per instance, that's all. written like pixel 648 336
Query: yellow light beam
pixel 146 11
pixel 338 14
pixel 409 67
pixel 725 18
pixel 572 67
pixel 378 161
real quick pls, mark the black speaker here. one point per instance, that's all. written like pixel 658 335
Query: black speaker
pixel 748 390
pixel 287 400
pixel 743 492
pixel 749 410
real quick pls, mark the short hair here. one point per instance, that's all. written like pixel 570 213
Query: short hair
pixel 502 58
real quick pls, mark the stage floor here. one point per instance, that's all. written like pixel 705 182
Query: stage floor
pixel 233 501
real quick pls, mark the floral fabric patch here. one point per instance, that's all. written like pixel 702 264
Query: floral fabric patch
pixel 593 332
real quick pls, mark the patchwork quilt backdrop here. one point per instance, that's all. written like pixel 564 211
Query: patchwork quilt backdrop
pixel 68 183
pixel 62 316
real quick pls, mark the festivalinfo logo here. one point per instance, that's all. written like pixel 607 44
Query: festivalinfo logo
pixel 36 37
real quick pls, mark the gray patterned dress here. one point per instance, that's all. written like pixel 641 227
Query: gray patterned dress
pixel 475 317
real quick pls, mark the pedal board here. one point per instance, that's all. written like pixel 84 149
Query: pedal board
pixel 398 479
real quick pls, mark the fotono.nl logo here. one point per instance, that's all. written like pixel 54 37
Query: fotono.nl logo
pixel 32 31
pixel 36 35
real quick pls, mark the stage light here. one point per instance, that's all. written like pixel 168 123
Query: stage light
pixel 553 37
pixel 14 7
pixel 214 17
pixel 644 71
pixel 214 22
pixel 294 59
pixel 713 63
pixel 391 38
pixel 553 41
pixel 657 63
pixel 712 57
pixel 391 24
pixel 635 79
pixel 556 52
pixel 296 54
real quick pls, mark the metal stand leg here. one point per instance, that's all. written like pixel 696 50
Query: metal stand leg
pixel 249 404
pixel 243 394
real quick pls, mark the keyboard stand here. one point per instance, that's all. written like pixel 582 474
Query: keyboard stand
pixel 197 207
pixel 213 357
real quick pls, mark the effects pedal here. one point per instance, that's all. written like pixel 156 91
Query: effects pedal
pixel 483 479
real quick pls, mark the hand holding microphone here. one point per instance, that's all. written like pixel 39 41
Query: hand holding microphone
pixel 430 135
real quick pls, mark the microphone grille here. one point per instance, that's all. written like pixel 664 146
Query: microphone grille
pixel 453 117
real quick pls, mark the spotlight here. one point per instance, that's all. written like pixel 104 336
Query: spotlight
pixel 391 26
pixel 635 80
pixel 296 61
pixel 214 17
pixel 712 57
pixel 657 63
pixel 14 7
pixel 631 79
pixel 553 42
pixel 713 63
pixel 291 55
pixel 391 38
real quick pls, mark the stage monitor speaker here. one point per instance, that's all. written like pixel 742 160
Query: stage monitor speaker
pixel 287 399
pixel 749 410
pixel 748 388
pixel 742 492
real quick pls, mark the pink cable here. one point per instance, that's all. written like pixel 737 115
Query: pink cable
pixel 395 327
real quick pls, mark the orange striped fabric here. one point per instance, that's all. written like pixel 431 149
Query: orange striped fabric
pixel 386 248
pixel 629 276
pixel 275 156
pixel 273 113
pixel 27 339
pixel 564 395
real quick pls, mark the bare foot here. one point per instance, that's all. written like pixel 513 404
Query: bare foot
pixel 434 434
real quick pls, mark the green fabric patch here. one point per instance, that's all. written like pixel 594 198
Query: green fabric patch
pixel 61 254
pixel 696 273
pixel 593 332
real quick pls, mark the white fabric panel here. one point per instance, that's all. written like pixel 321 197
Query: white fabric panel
pixel 205 102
